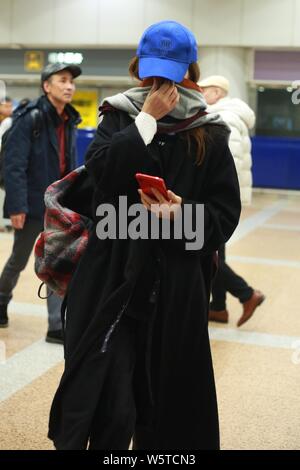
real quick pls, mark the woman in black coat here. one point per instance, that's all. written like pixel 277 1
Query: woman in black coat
pixel 137 353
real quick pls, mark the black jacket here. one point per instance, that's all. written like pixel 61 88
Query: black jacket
pixel 111 281
pixel 31 163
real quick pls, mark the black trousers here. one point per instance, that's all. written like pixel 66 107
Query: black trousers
pixel 227 280
pixel 24 240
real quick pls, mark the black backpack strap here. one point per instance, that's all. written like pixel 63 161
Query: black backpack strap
pixel 36 117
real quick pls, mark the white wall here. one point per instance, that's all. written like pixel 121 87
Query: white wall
pixel 107 23
pixel 225 29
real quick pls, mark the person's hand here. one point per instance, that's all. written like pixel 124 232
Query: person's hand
pixel 161 100
pixel 18 220
pixel 163 208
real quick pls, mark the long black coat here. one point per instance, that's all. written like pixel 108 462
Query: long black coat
pixel 116 277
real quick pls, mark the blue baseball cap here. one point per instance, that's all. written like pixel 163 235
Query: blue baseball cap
pixel 166 50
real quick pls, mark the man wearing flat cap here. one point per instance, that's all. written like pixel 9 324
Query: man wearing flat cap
pixel 39 149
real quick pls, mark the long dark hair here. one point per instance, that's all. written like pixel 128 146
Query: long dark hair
pixel 198 135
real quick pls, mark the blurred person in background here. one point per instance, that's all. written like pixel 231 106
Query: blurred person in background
pixel 8 114
pixel 6 110
pixel 240 118
pixel 40 148
pixel 22 103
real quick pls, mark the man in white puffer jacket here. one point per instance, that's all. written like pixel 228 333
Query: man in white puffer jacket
pixel 240 118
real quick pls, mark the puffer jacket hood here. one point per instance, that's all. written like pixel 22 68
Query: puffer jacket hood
pixel 240 118
pixel 236 106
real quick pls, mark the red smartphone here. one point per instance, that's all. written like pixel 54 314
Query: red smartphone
pixel 147 182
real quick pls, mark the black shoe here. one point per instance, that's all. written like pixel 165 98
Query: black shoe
pixel 55 336
pixel 3 316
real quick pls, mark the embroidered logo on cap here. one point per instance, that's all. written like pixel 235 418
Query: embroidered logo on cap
pixel 165 46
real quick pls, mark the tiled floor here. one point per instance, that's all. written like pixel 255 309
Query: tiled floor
pixel 257 366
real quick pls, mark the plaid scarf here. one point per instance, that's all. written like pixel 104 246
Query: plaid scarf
pixel 65 236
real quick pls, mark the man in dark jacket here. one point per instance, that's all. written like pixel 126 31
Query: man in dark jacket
pixel 40 149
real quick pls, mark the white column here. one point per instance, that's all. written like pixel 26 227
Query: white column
pixel 231 62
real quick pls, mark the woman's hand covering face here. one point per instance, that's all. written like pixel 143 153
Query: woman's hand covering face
pixel 161 100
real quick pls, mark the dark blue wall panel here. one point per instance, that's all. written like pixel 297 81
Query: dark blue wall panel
pixel 276 162
pixel 84 138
